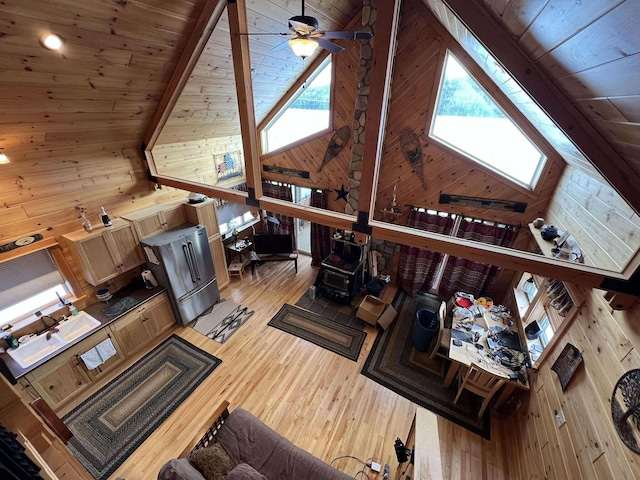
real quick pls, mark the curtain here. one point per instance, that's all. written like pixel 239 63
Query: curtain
pixel 280 192
pixel 470 276
pixel 320 234
pixel 416 266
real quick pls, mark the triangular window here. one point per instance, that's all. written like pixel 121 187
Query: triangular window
pixel 469 121
pixel 308 111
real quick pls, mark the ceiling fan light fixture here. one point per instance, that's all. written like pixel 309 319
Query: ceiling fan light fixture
pixel 303 47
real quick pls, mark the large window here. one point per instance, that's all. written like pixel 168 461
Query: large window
pixel 469 121
pixel 306 113
pixel 28 284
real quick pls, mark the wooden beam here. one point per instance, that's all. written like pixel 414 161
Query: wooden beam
pixel 244 88
pixel 378 104
pixel 198 39
pixel 312 214
pixel 208 190
pixel 549 97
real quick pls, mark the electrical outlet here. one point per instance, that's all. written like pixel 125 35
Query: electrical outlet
pixel 375 467
pixel 560 420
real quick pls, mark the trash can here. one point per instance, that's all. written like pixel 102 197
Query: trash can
pixel 425 327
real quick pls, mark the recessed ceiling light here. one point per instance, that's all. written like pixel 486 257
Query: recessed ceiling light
pixel 52 41
pixel 3 159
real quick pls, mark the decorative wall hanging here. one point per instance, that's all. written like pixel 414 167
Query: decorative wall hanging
pixel 479 202
pixel 291 172
pixel 22 242
pixel 228 165
pixel 342 193
pixel 567 363
pixel 336 144
pixel 625 409
pixel 412 151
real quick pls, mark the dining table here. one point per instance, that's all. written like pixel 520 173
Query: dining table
pixel 473 346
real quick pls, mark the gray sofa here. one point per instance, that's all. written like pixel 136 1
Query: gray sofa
pixel 249 441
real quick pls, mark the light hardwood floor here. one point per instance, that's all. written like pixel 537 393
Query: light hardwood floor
pixel 315 398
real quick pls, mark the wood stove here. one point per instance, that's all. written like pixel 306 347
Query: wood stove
pixel 341 272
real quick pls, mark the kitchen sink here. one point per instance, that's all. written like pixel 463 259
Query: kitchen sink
pixel 36 348
pixel 77 325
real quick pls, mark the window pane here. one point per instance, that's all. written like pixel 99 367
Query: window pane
pixel 307 113
pixel 471 122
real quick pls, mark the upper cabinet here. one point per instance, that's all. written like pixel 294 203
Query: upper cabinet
pixel 204 213
pixel 158 219
pixel 105 252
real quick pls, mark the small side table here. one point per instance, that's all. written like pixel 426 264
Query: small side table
pixel 238 260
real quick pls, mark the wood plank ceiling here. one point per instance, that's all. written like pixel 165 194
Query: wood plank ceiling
pixel 207 107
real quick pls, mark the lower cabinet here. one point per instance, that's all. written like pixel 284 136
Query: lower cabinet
pixel 138 329
pixel 66 378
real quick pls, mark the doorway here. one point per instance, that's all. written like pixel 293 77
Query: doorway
pixel 302 196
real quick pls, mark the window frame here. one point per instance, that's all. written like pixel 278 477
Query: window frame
pixel 502 102
pixel 290 97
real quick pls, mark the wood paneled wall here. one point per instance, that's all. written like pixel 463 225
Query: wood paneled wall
pixel 587 446
pixel 602 223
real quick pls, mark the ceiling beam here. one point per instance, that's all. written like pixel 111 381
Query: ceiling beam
pixel 242 70
pixel 549 97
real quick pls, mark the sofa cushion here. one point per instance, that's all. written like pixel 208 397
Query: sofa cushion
pixel 179 469
pixel 213 462
pixel 247 439
pixel 244 471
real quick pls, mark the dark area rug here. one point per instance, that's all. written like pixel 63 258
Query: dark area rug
pixel 113 422
pixel 327 308
pixel 333 336
pixel 395 364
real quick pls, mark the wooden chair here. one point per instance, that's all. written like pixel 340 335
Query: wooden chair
pixel 481 382
pixel 443 340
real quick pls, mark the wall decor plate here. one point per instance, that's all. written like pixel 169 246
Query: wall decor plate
pixel 21 242
pixel 625 409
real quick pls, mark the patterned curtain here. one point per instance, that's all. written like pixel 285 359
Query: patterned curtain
pixel 320 234
pixel 416 266
pixel 280 192
pixel 476 278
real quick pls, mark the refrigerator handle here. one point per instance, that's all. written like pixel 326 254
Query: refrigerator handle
pixel 188 258
pixel 194 262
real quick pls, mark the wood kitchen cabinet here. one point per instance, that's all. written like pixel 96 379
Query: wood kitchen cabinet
pixel 219 260
pixel 105 252
pixel 158 219
pixel 138 329
pixel 64 377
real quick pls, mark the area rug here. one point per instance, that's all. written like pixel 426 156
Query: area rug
pixel 333 336
pixel 113 422
pixel 394 363
pixel 327 308
pixel 223 321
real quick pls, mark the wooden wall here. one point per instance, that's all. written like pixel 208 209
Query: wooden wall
pixel 605 227
pixel 587 446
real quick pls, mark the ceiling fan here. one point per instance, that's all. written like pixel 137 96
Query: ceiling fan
pixel 305 36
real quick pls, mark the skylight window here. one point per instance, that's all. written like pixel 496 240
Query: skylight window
pixel 469 121
pixel 307 112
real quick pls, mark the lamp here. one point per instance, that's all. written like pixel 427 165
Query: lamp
pixel 234 232
pixel 52 41
pixel 303 47
pixel 3 158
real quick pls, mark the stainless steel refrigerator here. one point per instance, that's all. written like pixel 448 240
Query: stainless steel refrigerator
pixel 181 261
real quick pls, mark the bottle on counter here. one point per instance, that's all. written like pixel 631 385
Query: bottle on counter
pixel 73 310
pixel 105 218
pixel 10 339
pixel 86 223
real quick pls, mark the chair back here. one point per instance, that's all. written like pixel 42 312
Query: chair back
pixel 481 382
pixel 442 314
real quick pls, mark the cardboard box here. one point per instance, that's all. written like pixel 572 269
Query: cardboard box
pixel 387 317
pixel 370 309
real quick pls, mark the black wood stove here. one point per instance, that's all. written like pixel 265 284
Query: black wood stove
pixel 341 272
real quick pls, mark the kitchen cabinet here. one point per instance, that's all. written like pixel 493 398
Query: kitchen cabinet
pixel 105 252
pixel 136 330
pixel 219 260
pixel 64 377
pixel 158 219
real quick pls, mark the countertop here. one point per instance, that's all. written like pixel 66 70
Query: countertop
pixel 141 295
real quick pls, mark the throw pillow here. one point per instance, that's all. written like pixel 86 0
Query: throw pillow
pixel 212 462
pixel 244 471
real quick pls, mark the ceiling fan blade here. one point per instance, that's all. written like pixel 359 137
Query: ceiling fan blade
pixel 327 45
pixel 362 35
pixel 280 46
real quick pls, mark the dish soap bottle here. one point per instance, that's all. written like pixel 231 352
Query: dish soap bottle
pixel 105 218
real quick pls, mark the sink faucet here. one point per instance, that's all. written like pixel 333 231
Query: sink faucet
pixel 50 331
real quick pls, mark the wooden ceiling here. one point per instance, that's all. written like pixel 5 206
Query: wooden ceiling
pixel 207 107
